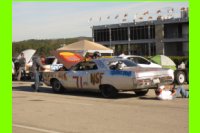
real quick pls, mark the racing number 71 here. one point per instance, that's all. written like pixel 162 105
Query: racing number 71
pixel 78 81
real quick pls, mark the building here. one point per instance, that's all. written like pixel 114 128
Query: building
pixel 162 36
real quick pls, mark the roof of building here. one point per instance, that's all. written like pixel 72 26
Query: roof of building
pixel 143 23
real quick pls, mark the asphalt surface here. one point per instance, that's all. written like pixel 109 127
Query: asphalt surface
pixel 88 112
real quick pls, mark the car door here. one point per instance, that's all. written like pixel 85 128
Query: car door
pixel 94 76
pixel 77 77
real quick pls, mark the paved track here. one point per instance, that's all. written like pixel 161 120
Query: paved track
pixel 89 112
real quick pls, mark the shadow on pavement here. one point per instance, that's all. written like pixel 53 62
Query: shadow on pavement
pixel 83 93
pixel 148 98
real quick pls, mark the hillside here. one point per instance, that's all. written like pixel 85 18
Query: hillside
pixel 43 46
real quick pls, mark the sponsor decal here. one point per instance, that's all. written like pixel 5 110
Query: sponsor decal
pixel 62 76
pixel 96 78
pixel 121 73
pixel 79 82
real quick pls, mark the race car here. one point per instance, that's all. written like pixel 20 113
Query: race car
pixel 108 76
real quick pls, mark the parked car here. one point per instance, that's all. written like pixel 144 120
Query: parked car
pixel 141 61
pixel 28 54
pixel 109 76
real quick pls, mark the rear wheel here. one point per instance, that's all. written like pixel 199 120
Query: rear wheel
pixel 57 87
pixel 141 92
pixel 108 91
pixel 180 77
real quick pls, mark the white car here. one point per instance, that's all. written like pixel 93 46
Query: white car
pixel 28 54
pixel 140 61
pixel 108 76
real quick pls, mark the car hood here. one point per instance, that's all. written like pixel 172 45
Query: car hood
pixel 68 59
pixel 28 54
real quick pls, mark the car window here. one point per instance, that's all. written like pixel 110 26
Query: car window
pixel 85 66
pixel 129 63
pixel 49 61
pixel 126 63
pixel 139 60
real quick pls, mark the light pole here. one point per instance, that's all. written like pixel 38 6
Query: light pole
pixel 129 39
pixel 110 37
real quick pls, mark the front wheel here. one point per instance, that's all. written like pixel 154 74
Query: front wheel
pixel 141 92
pixel 57 87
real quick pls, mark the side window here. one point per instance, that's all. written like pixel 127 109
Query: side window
pixel 78 67
pixel 143 61
pixel 92 66
pixel 134 59
pixel 84 66
pixel 139 60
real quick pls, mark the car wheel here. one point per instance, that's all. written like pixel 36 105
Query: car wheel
pixel 108 91
pixel 57 87
pixel 141 92
pixel 180 77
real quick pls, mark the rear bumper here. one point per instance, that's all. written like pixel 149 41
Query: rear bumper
pixel 152 82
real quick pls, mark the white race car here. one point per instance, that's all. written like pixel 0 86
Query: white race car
pixel 109 76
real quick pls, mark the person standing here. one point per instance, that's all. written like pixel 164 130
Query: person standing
pixel 21 71
pixel 96 55
pixel 36 67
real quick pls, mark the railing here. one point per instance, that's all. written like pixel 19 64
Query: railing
pixel 176 35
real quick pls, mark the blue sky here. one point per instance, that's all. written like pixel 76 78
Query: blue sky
pixel 46 20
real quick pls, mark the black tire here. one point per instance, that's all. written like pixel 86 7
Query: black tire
pixel 57 87
pixel 180 77
pixel 108 91
pixel 141 92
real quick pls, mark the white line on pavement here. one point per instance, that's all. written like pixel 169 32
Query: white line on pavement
pixel 35 129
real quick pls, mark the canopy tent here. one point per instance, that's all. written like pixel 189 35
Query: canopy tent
pixel 164 61
pixel 84 46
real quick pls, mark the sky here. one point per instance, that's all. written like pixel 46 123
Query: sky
pixel 51 20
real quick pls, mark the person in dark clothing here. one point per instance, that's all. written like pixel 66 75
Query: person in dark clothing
pixel 96 55
pixel 36 67
pixel 21 70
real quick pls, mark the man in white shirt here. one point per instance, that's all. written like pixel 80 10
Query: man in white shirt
pixel 164 94
pixel 168 93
